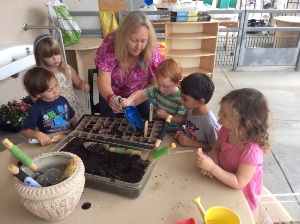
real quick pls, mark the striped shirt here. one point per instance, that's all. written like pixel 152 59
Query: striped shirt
pixel 170 103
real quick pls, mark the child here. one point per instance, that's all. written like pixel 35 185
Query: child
pixel 237 156
pixel 166 94
pixel 48 53
pixel 201 124
pixel 50 112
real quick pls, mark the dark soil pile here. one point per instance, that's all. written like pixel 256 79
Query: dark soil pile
pixel 124 167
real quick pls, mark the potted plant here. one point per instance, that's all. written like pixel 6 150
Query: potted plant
pixel 13 113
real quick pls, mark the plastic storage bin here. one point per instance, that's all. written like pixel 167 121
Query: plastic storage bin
pixel 131 190
pixel 272 208
pixel 116 132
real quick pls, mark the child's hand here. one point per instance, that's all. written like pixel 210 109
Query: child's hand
pixel 85 87
pixel 205 163
pixel 43 138
pixel 162 113
pixel 206 173
pixel 183 139
pixel 203 171
pixel 178 133
pixel 125 102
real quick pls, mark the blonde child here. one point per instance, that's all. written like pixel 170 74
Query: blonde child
pixel 166 95
pixel 48 54
pixel 237 156
pixel 201 124
pixel 51 112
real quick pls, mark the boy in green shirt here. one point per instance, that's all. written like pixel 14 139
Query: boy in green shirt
pixel 166 95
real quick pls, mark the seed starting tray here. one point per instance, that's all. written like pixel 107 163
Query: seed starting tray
pixel 117 130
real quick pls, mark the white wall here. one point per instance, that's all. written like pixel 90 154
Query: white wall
pixel 87 22
pixel 14 13
pixel 92 22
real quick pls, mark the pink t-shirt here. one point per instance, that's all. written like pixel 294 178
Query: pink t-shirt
pixel 124 84
pixel 230 157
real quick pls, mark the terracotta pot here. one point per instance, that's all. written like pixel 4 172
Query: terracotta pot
pixel 55 202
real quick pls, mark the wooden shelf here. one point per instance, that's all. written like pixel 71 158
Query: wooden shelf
pixel 188 71
pixel 189 53
pixel 193 44
pixel 188 36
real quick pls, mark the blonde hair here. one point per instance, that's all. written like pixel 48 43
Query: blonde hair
pixel 129 25
pixel 46 46
pixel 250 115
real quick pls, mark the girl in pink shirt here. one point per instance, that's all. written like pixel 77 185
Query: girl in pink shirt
pixel 237 155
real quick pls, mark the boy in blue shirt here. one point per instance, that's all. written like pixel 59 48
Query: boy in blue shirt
pixel 51 112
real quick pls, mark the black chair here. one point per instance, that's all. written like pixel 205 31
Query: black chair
pixel 94 107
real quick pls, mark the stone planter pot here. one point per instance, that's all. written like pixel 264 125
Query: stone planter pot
pixel 55 202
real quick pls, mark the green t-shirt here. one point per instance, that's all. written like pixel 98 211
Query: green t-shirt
pixel 170 103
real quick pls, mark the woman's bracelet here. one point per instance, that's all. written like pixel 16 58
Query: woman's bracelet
pixel 109 96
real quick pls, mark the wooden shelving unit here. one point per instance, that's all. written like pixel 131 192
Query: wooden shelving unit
pixel 193 44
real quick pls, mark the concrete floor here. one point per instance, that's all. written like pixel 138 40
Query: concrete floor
pixel 281 87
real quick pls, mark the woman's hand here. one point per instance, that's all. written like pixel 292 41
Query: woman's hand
pixel 114 103
pixel 126 102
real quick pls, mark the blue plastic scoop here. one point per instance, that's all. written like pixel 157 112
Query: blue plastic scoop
pixel 134 118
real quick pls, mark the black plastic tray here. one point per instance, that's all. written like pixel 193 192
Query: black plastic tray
pixel 116 130
pixel 130 190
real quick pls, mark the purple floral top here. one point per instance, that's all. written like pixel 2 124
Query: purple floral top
pixel 136 79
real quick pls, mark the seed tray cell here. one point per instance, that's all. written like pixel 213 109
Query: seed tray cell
pixel 117 130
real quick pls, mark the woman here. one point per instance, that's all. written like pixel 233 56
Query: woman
pixel 127 61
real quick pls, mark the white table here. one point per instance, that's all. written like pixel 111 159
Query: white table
pixel 166 198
